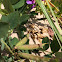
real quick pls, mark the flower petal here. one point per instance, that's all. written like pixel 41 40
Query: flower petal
pixel 33 6
pixel 43 0
pixel 33 1
pixel 29 2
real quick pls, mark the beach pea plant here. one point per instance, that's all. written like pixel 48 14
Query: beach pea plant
pixel 15 15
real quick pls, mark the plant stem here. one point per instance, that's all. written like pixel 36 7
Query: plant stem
pixel 53 6
pixel 33 57
pixel 60 21
pixel 7 46
pixel 23 41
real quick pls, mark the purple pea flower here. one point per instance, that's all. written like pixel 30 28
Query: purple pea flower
pixel 43 0
pixel 31 2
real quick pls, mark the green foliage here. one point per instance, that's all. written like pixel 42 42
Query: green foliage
pixel 19 4
pixel 21 34
pixel 4 11
pixel 46 47
pixel 13 42
pixel 12 19
pixel 8 6
pixel 58 3
pixel 15 15
pixel 14 1
pixel 20 31
pixel 22 28
pixel 33 13
pixel 54 46
pixel 45 40
pixel 24 18
pixel 58 55
pixel 48 55
pixel 23 41
pixel 0 1
pixel 1 59
pixel 8 59
pixel 4 27
pixel 2 46
pixel 54 60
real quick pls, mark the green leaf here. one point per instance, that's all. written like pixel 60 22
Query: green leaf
pixel 21 34
pixel 14 1
pixel 22 28
pixel 4 11
pixel 54 46
pixel 10 59
pixel 13 42
pixel 12 19
pixel 0 1
pixel 33 13
pixel 5 58
pixel 19 4
pixel 8 6
pixel 20 31
pixel 48 55
pixel 27 42
pixel 2 46
pixel 54 60
pixel 46 47
pixel 4 27
pixel 1 59
pixel 24 18
pixel 45 40
pixel 58 54
pixel 26 51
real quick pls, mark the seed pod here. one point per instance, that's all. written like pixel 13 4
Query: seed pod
pixel 23 41
pixel 30 47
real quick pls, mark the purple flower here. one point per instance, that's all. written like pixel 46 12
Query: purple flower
pixel 33 6
pixel 31 2
pixel 43 0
